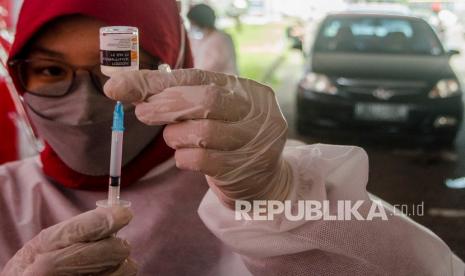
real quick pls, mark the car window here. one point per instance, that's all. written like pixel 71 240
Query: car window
pixel 377 35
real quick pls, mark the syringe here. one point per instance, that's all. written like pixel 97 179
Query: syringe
pixel 116 157
pixel 117 154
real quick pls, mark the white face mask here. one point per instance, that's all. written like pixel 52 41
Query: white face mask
pixel 78 127
pixel 196 32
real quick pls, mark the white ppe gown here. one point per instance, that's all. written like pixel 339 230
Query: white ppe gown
pixel 168 237
pixel 215 52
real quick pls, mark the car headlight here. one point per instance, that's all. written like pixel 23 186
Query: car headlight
pixel 445 88
pixel 318 83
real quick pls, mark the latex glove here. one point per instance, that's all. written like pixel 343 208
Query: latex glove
pixel 82 245
pixel 229 128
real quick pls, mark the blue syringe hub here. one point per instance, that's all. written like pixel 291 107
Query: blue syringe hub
pixel 118 117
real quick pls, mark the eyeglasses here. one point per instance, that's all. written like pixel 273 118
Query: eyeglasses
pixel 52 78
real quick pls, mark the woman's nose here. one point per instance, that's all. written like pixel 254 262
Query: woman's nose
pixel 94 106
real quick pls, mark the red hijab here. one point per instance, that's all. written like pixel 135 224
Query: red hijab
pixel 159 26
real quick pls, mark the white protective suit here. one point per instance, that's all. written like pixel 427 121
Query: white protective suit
pixel 168 238
pixel 214 52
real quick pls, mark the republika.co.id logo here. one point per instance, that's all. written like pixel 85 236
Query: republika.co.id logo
pixel 344 210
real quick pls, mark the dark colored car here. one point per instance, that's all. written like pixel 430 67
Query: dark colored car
pixel 379 74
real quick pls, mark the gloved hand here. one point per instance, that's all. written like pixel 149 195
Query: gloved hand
pixel 82 245
pixel 229 128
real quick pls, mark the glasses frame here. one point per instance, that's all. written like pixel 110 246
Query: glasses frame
pixel 17 63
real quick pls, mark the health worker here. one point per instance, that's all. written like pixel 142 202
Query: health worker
pixel 195 143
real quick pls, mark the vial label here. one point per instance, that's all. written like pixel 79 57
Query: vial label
pixel 119 49
pixel 116 58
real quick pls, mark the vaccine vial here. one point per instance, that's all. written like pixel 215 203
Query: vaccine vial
pixel 119 49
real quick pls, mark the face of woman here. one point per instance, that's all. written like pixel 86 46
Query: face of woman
pixel 63 83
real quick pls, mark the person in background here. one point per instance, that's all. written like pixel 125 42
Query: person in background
pixel 213 50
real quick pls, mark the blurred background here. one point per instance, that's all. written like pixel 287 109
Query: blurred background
pixel 384 75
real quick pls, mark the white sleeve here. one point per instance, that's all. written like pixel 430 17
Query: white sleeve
pixel 396 246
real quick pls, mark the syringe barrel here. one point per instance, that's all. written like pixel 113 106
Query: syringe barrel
pixel 113 195
pixel 116 153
